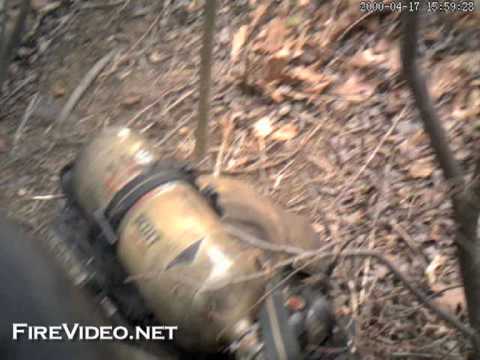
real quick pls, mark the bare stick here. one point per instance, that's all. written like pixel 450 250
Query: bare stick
pixel 201 133
pixel 8 47
pixel 3 24
pixel 83 86
pixel 28 113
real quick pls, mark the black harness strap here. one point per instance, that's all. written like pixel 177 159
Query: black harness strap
pixel 107 220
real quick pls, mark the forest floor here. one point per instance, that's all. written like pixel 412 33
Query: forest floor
pixel 308 103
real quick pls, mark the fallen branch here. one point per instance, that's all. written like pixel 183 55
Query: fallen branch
pixel 83 86
pixel 8 47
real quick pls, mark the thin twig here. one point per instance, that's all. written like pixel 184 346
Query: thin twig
pixel 355 24
pixel 369 160
pixel 259 243
pixel 277 162
pixel 371 235
pixel 172 132
pixel 317 256
pixel 227 130
pixel 144 35
pixel 26 115
pixel 84 84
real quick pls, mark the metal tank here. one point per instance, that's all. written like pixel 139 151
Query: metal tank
pixel 170 240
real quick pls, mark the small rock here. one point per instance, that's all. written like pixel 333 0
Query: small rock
pixel 155 57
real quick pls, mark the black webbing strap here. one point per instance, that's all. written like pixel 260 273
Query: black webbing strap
pixel 107 220
pixel 139 186
pixel 280 342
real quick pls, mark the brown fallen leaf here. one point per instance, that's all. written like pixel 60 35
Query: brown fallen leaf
pixel 285 132
pixel 238 41
pixel 318 88
pixel 451 300
pixel 355 89
pixel 306 74
pixel 275 37
pixel 323 163
pixel 58 88
pixel 445 77
pixel 421 169
pixel 131 100
pixel 278 95
pixel 437 263
pixel 276 64
pixel 367 58
pixel 258 14
pixel 411 145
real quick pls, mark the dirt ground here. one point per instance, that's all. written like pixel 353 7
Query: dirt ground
pixel 328 130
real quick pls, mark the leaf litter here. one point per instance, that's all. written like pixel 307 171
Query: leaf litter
pixel 318 84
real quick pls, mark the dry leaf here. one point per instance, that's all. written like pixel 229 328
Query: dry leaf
pixel 382 46
pixel 367 58
pixel 421 169
pixel 238 41
pixel 452 300
pixel 317 89
pixel 411 145
pixel 263 127
pixel 259 12
pixel 276 64
pixel 355 89
pixel 285 132
pixel 276 34
pixel 431 270
pixel 304 73
pixel 444 79
pixel 278 95
pixel 58 88
pixel 322 163
pixel 237 162
pixel 183 131
pixel 131 100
